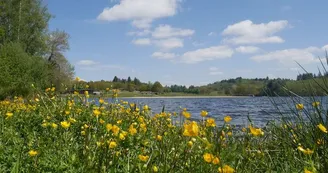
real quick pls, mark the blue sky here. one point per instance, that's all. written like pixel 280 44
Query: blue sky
pixel 192 42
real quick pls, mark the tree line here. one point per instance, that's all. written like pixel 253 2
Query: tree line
pixel 231 87
pixel 29 52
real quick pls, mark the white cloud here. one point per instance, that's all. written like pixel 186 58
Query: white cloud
pixel 247 49
pixel 86 63
pixel 214 71
pixel 294 69
pixel 142 41
pixel 325 48
pixel 142 23
pixel 139 33
pixel 197 44
pixel 141 12
pixel 212 34
pixel 169 43
pixel 246 32
pixel 166 31
pixel 163 55
pixel 289 56
pixel 211 53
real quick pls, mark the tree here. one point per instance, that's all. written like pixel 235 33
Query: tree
pixel 62 71
pixel 129 79
pixel 136 81
pixel 115 79
pixel 157 87
pixel 25 22
pixel 18 71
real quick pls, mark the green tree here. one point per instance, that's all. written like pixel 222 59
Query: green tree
pixel 25 22
pixel 62 72
pixel 157 87
pixel 18 71
pixel 115 79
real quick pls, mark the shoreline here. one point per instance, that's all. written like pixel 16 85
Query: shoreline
pixel 182 97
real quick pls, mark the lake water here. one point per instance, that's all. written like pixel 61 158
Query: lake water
pixel 259 109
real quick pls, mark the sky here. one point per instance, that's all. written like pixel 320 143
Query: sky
pixel 192 42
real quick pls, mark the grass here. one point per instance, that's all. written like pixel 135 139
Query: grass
pixel 50 133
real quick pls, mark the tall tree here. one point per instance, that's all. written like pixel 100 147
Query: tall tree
pixel 61 70
pixel 115 79
pixel 26 22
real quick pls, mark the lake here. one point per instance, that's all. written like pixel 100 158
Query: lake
pixel 259 109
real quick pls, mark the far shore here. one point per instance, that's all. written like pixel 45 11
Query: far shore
pixel 182 97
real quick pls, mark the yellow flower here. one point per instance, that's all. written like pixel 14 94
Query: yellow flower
pixel 216 161
pixel 322 128
pixel 99 144
pixel 143 158
pixel 155 169
pixel 86 92
pixel 96 112
pixel 307 171
pixel 320 141
pixel 143 127
pixel 71 120
pixel 45 124
pixel 101 101
pixel 159 137
pixel 208 157
pixel 67 112
pixel 83 133
pixel 53 89
pixel 226 169
pixel 54 125
pixel 191 129
pixel 9 115
pixel 112 144
pixel 316 104
pixel 32 153
pixel 86 86
pixel 132 130
pixel 229 133
pixel 210 122
pixel 203 113
pixel 115 130
pixel 65 124
pixel 305 151
pixel 227 119
pixel 256 131
pixel 146 108
pixel 243 129
pixel 109 127
pixel 101 121
pixel 107 89
pixel 121 136
pixel 77 79
pixel 186 114
pixel 190 143
pixel 299 106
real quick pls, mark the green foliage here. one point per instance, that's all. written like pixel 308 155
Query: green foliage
pixel 18 70
pixel 157 87
pixel 29 52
